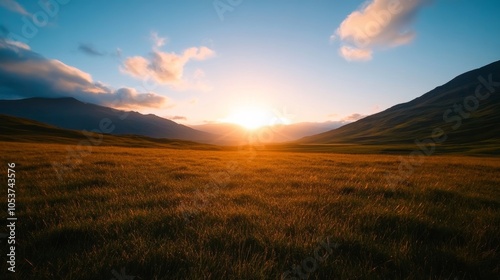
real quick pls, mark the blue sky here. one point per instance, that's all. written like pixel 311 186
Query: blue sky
pixel 199 61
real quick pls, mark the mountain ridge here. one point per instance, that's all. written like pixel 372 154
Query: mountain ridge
pixel 21 130
pixel 417 118
pixel 441 108
pixel 70 113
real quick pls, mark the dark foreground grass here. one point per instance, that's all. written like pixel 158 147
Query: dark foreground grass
pixel 184 214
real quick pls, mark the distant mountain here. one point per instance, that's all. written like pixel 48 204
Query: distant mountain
pixel 15 129
pixel 232 133
pixel 70 113
pixel 452 109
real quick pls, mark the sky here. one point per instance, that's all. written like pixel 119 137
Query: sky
pixel 204 61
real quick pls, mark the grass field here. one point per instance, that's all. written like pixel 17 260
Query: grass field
pixel 156 213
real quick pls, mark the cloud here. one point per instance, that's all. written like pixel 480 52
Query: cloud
pixel 157 40
pixel 378 24
pixel 350 118
pixel 178 118
pixel 90 50
pixel 353 117
pixel 118 52
pixel 13 45
pixel 168 68
pixel 125 97
pixel 350 53
pixel 24 73
pixel 14 6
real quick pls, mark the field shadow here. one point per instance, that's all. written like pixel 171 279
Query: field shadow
pixel 396 228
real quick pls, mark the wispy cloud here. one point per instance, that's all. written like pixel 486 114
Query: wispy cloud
pixel 167 68
pixel 90 50
pixel 14 6
pixel 377 24
pixel 353 117
pixel 178 118
pixel 24 73
pixel 157 40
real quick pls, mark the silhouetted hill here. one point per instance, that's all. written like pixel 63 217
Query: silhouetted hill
pixel 15 129
pixel 70 113
pixel 437 109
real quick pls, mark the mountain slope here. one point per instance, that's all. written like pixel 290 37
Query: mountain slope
pixel 445 108
pixel 14 129
pixel 70 113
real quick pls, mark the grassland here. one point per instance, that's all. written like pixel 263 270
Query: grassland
pixel 158 213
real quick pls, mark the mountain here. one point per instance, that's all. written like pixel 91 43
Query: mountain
pixel 17 130
pixel 232 133
pixel 465 111
pixel 70 113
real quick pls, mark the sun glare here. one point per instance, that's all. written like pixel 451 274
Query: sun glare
pixel 252 118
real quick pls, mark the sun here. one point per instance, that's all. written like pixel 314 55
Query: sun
pixel 250 118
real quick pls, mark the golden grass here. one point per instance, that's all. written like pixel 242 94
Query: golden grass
pixel 183 214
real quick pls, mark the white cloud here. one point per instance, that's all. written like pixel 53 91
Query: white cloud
pixel 333 37
pixel 168 68
pixel 157 40
pixel 13 45
pixel 350 53
pixel 14 6
pixel 378 24
pixel 24 73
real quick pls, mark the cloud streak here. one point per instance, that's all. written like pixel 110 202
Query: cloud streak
pixel 24 73
pixel 90 50
pixel 353 117
pixel 178 118
pixel 13 6
pixel 378 24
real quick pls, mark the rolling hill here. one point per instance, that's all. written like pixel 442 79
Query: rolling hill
pixel 70 113
pixel 462 112
pixel 20 130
